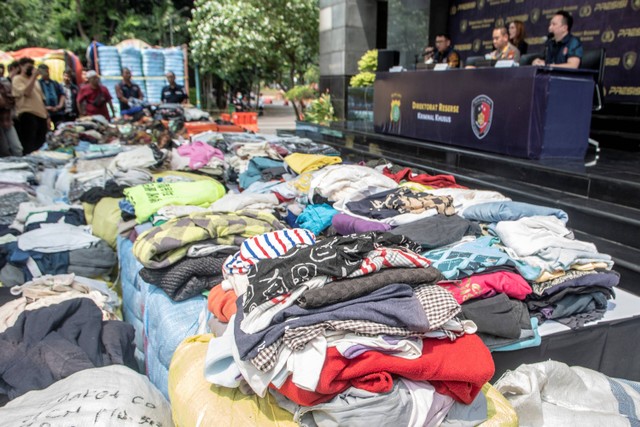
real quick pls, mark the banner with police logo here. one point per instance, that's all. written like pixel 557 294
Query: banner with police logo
pixel 614 25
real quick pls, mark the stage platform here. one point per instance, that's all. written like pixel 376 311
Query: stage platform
pixel 602 199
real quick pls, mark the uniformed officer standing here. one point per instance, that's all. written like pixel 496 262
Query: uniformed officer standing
pixel 173 93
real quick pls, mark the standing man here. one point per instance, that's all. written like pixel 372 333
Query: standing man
pixel 504 48
pixel 444 53
pixel 173 93
pixel 14 70
pixel 93 98
pixel 32 115
pixel 53 95
pixel 127 91
pixel 563 49
pixel 70 96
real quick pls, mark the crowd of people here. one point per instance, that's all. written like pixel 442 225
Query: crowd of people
pixel 562 49
pixel 32 103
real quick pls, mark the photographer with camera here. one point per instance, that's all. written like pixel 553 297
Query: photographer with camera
pixel 29 98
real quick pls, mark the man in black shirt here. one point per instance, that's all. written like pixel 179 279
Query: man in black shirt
pixel 128 92
pixel 173 93
pixel 443 53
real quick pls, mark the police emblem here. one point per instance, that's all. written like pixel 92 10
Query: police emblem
pixel 453 10
pixel 500 22
pixel 481 115
pixel 394 114
pixel 480 4
pixel 463 25
pixel 585 11
pixel 608 36
pixel 535 15
pixel 477 44
pixel 635 4
pixel 629 60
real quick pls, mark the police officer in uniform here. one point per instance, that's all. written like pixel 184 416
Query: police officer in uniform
pixel 173 93
pixel 563 49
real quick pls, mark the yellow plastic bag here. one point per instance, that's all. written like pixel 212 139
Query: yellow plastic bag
pixel 196 402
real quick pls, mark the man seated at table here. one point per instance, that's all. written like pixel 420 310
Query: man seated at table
pixel 503 47
pixel 563 49
pixel 444 53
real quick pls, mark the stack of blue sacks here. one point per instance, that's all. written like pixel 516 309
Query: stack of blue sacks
pixel 153 68
pixel 174 62
pixel 110 69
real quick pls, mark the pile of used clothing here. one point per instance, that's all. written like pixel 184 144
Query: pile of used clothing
pixel 336 293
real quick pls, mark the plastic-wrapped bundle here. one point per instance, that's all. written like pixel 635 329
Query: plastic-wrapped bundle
pixel 131 58
pixel 109 61
pixel 153 62
pixel 174 61
pixel 153 90
pixel 110 83
pixel 166 324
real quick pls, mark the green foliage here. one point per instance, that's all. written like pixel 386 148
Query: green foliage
pixel 300 93
pixel 320 110
pixel 70 24
pixel 312 75
pixel 369 61
pixel 364 79
pixel 254 39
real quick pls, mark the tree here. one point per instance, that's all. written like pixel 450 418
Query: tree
pixel 244 40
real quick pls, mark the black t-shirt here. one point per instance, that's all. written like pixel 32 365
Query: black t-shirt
pixel 173 95
pixel 128 92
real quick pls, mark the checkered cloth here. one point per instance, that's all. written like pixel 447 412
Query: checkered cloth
pixel 163 245
pixel 297 338
pixel 438 303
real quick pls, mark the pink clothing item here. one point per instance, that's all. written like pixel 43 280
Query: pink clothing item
pixel 487 285
pixel 199 154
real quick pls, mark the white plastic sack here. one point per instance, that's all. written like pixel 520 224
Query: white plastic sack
pixel 110 396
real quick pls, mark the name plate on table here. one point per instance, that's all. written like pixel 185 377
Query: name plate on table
pixel 506 63
pixel 441 67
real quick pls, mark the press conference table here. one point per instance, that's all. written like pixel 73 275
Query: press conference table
pixel 528 112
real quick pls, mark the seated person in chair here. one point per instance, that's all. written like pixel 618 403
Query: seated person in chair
pixel 504 48
pixel 444 53
pixel 563 49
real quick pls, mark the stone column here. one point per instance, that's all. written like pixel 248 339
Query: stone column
pixel 347 31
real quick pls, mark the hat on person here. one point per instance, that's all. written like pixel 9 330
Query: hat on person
pixel 91 73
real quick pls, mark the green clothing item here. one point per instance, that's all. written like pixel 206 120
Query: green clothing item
pixel 168 243
pixel 148 198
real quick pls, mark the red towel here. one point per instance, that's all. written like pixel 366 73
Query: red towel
pixel 222 303
pixel 436 181
pixel 458 369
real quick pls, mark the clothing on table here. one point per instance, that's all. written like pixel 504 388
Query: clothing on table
pixel 498 315
pixel 110 189
pixel 393 305
pixel 439 230
pixel 148 198
pixel 316 218
pixel 347 289
pixel 345 224
pixel 51 238
pixel 337 257
pixel 199 154
pixel 253 173
pixel 231 202
pixel 487 285
pixel 187 277
pixel 510 211
pixel 434 181
pixel 74 331
pixel 590 308
pixel 265 246
pixel 355 407
pixel 458 371
pixel 300 162
pixel 222 304
pixel 351 345
pixel 164 245
pixel 73 216
pixel 399 201
pixel 474 257
pixel 464 198
pixel 347 182
pixel 574 278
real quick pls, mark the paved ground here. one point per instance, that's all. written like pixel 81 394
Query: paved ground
pixel 276 116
